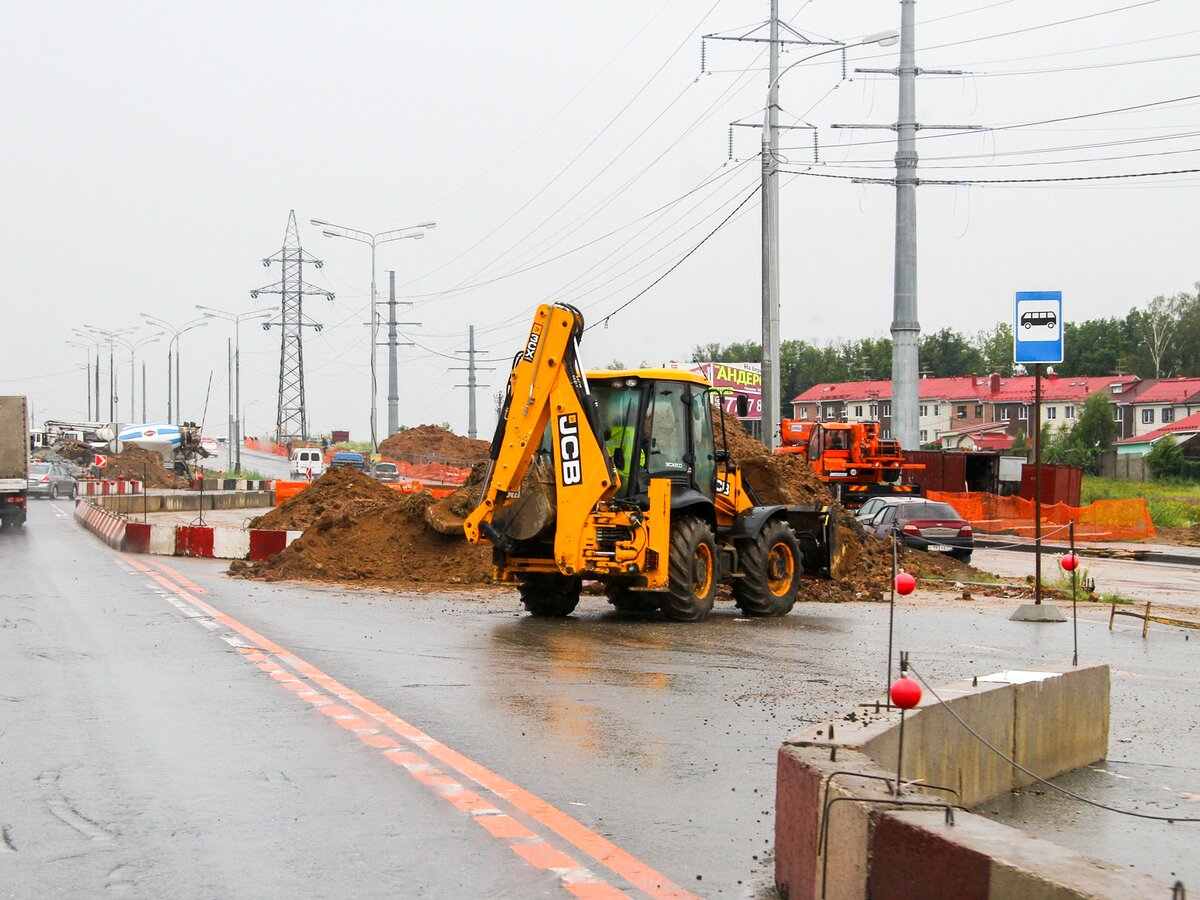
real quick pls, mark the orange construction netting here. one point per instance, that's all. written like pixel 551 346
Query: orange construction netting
pixel 1103 520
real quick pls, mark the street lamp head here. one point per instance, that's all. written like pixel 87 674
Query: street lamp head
pixel 883 38
pixel 416 236
pixel 331 234
pixel 318 222
pixel 426 225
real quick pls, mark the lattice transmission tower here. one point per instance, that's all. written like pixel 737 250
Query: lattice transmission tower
pixel 291 419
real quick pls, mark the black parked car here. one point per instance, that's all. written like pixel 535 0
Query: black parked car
pixel 926 525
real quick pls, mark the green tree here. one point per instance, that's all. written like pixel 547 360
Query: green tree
pixel 995 348
pixel 1165 459
pixel 1021 445
pixel 1097 347
pixel 947 353
pixel 1095 426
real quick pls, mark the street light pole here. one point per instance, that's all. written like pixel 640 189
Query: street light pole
pixel 133 347
pixel 111 337
pixel 373 240
pixel 236 319
pixel 177 412
pixel 771 380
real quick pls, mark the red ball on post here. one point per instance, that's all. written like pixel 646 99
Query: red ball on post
pixel 906 693
pixel 1070 562
pixel 905 584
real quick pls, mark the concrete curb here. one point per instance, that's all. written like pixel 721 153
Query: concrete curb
pixel 234 484
pixel 1049 720
pixel 215 542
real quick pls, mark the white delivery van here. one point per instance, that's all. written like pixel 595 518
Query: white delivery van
pixel 307 462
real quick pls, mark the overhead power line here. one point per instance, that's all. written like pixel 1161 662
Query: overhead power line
pixel 862 180
pixel 752 193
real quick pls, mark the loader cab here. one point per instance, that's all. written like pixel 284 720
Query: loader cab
pixel 657 424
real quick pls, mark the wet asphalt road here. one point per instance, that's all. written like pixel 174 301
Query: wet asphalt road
pixel 141 748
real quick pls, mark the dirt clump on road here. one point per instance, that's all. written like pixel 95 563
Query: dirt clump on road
pixel 433 443
pixel 356 530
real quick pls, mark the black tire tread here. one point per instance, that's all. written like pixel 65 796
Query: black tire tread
pixel 751 593
pixel 680 602
pixel 625 599
pixel 550 595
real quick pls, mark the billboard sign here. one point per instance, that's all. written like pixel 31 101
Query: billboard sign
pixel 733 379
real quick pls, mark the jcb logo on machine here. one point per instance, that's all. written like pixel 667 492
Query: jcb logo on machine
pixel 568 449
pixel 532 344
pixel 722 487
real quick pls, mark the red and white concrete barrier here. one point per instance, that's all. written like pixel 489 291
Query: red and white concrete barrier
pixel 216 542
pixel 108 526
pixel 105 488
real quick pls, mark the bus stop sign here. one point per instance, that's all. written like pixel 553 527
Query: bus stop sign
pixel 1038 327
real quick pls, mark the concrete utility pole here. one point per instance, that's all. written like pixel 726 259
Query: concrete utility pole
pixel 771 381
pixel 393 373
pixel 906 329
pixel 472 383
pixel 770 244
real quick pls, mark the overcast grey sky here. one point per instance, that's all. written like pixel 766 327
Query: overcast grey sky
pixel 153 150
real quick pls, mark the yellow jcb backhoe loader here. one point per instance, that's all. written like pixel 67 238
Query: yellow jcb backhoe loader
pixel 640 499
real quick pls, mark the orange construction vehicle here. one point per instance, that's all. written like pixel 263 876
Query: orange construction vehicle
pixel 636 495
pixel 851 458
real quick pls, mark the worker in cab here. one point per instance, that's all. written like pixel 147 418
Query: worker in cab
pixel 619 444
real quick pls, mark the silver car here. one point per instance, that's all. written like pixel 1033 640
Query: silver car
pixel 50 481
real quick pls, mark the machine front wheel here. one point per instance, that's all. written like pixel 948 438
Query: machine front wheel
pixel 771 566
pixel 550 594
pixel 693 571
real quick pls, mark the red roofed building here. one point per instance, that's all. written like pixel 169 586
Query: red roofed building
pixel 1185 431
pixel 1162 402
pixel 955 404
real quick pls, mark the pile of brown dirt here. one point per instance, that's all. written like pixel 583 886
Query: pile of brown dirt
pixel 340 490
pixel 132 464
pixel 357 530
pixel 432 443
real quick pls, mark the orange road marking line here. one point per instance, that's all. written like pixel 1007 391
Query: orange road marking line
pixel 179 577
pixel 564 826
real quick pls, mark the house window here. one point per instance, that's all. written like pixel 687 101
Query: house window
pixel 874 410
pixel 887 411
pixel 1005 413
pixel 1068 412
pixel 1168 415
pixel 887 434
pixel 1051 412
pixel 1022 412
pixel 924 437
pixel 1147 417
pixel 858 412
pixel 804 412
pixel 979 410
pixel 924 410
pixel 1117 414
pixel 962 412
pixel 937 409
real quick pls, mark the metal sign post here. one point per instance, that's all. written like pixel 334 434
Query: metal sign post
pixel 1037 339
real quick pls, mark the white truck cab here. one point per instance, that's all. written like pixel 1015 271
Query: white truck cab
pixel 307 462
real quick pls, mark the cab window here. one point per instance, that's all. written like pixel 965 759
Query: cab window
pixel 702 443
pixel 668 429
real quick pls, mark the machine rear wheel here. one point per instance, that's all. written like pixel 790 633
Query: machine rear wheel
pixel 550 594
pixel 627 600
pixel 693 571
pixel 771 566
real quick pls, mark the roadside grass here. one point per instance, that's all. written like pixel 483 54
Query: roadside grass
pixel 1172 504
pixel 1084 587
pixel 248 474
